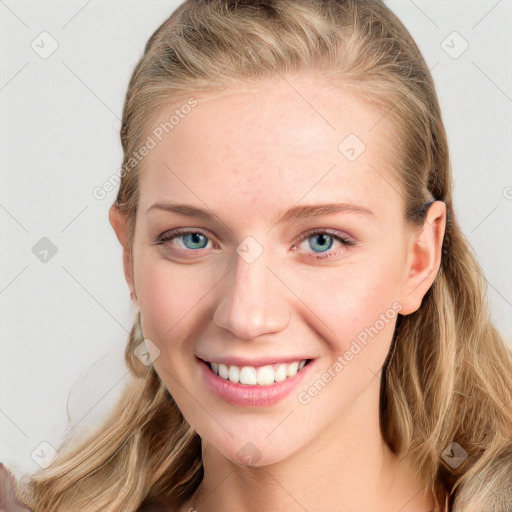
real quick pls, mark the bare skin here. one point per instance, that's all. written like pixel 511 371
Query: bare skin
pixel 404 494
pixel 247 155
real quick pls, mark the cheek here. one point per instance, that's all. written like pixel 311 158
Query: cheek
pixel 355 308
pixel 170 297
pixel 340 302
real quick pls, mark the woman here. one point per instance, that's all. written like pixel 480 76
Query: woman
pixel 313 331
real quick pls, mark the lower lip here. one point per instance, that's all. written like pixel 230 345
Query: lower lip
pixel 252 396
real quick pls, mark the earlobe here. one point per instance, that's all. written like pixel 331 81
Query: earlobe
pixel 424 258
pixel 118 221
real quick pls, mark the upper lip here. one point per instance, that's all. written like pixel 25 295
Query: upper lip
pixel 238 361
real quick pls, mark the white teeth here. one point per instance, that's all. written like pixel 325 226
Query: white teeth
pixel 265 376
pixel 234 373
pixel 280 373
pixel 248 375
pixel 262 376
pixel 292 369
pixel 223 371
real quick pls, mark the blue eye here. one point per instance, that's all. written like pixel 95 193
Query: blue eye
pixel 326 241
pixel 321 241
pixel 191 239
pixel 194 239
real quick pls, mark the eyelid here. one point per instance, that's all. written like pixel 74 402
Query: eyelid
pixel 329 231
pixel 343 238
pixel 180 231
pixel 171 234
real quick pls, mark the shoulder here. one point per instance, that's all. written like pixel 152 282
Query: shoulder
pixel 9 500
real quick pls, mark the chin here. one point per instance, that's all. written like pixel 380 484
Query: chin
pixel 258 451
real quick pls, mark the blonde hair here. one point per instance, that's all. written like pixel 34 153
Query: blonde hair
pixel 447 376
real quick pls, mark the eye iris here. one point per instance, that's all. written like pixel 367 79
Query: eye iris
pixel 196 239
pixel 322 237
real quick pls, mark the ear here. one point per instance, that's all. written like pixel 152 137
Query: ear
pixel 423 258
pixel 118 220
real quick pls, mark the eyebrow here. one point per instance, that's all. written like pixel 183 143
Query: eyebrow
pixel 290 215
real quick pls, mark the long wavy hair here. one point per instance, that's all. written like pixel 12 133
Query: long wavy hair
pixel 447 377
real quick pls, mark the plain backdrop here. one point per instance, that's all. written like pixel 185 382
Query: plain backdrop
pixel 65 310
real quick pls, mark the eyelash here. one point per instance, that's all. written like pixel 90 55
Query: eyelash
pixel 345 241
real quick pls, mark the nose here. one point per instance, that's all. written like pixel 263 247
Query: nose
pixel 253 300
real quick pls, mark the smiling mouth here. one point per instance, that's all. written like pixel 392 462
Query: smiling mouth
pixel 257 376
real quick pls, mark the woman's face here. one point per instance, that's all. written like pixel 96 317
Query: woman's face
pixel 265 277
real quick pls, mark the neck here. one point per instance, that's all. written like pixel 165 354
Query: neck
pixel 348 467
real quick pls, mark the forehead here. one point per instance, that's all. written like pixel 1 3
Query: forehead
pixel 271 143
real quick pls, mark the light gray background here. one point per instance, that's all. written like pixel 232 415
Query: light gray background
pixel 64 323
